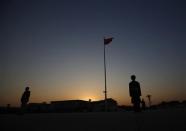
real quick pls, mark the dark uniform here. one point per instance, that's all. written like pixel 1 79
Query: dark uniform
pixel 135 93
pixel 25 97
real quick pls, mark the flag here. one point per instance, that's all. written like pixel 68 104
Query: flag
pixel 107 40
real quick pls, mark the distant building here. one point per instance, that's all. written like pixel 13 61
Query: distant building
pixel 100 105
pixel 184 103
pixel 69 106
pixel 83 106
pixel 38 107
pixel 170 104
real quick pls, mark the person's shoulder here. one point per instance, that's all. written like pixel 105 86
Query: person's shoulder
pixel 132 83
pixel 137 82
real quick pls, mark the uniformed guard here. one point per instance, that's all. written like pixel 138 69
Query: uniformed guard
pixel 135 93
pixel 25 97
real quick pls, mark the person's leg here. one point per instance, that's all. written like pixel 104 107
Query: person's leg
pixel 23 105
pixel 135 107
pixel 138 107
pixel 138 104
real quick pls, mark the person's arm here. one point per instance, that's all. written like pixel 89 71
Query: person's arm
pixel 130 92
pixel 29 94
pixel 22 97
pixel 139 89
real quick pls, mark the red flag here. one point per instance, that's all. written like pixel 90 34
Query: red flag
pixel 107 40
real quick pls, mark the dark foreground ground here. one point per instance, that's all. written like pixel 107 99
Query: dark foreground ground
pixel 155 120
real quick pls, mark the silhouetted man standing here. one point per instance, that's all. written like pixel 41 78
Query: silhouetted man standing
pixel 135 93
pixel 25 98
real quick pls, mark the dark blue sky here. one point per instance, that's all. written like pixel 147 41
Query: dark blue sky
pixel 56 48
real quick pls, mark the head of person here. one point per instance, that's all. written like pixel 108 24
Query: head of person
pixel 27 88
pixel 133 77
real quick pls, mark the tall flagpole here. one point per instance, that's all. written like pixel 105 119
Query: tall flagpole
pixel 105 73
pixel 106 42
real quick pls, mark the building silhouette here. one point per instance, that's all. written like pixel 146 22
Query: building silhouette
pixel 73 106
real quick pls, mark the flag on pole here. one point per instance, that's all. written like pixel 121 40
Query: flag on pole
pixel 107 40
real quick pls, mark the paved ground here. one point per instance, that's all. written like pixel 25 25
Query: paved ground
pixel 157 120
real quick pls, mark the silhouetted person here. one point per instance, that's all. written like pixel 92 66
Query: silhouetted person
pixel 143 104
pixel 25 98
pixel 135 93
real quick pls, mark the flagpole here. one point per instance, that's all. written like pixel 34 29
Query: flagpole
pixel 105 74
pixel 106 42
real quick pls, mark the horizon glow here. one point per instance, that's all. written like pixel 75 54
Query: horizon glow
pixel 56 48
